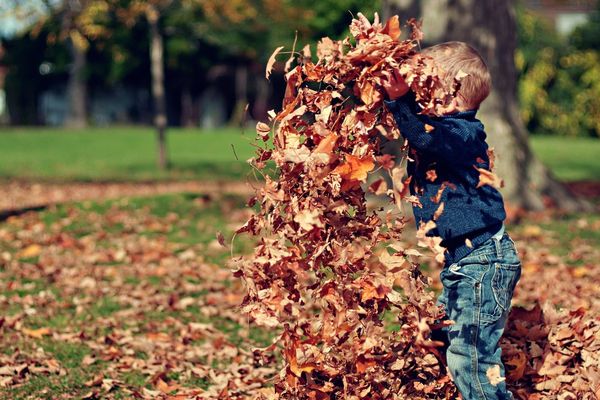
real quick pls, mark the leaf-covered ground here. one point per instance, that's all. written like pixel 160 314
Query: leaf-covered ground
pixel 132 298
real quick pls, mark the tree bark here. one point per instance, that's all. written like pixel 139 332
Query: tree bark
pixel 261 100
pixel 158 85
pixel 77 89
pixel 189 109
pixel 241 95
pixel 490 27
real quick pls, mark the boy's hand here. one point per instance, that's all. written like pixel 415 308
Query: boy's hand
pixel 394 85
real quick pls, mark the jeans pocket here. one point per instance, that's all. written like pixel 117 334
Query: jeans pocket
pixel 504 281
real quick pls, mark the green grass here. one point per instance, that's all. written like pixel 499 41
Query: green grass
pixel 198 223
pixel 129 153
pixel 122 154
pixel 571 159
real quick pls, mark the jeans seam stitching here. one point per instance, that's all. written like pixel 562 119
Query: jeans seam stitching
pixel 474 355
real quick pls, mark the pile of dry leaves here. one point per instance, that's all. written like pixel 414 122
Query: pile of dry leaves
pixel 330 272
pixel 325 267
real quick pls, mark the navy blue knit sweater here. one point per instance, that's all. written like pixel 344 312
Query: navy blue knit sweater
pixel 453 149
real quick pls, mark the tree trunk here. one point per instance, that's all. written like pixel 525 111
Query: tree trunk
pixel 158 85
pixel 189 109
pixel 405 9
pixel 77 88
pixel 490 26
pixel 261 100
pixel 241 95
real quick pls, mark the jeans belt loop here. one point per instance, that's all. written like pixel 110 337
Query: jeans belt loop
pixel 498 247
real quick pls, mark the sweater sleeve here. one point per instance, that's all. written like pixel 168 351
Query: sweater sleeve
pixel 455 139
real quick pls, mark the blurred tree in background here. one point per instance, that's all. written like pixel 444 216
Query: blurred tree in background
pixel 213 50
pixel 559 85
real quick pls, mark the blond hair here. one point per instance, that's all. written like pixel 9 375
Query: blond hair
pixel 456 59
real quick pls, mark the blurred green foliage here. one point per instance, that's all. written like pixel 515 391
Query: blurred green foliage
pixel 559 85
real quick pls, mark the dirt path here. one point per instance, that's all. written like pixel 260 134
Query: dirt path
pixel 19 195
pixel 16 196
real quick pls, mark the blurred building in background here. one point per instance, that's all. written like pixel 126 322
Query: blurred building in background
pixel 566 15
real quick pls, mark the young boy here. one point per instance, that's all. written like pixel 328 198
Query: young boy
pixel 481 264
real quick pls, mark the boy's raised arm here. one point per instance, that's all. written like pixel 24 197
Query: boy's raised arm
pixel 447 138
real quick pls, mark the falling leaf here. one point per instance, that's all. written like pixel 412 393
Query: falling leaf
pixel 493 375
pixel 431 175
pixel 355 168
pixel 263 130
pixel 378 187
pixel 392 27
pixel 271 61
pixel 386 161
pixel 308 219
pixel 327 144
pixel 221 238
pixel 362 364
pixel 487 177
pixel 438 212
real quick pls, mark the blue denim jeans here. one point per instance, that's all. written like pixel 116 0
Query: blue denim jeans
pixel 477 295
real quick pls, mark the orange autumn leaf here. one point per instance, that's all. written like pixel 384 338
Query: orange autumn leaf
pixel 165 387
pixel 327 144
pixel 487 177
pixel 392 27
pixel 368 94
pixel 299 369
pixel 33 250
pixel 370 291
pixel 37 333
pixel 431 175
pixel 355 168
pixel 363 363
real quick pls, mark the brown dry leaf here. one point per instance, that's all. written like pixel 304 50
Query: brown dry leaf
pixel 487 177
pixel 221 239
pixel 378 187
pixel 271 62
pixel 438 212
pixel 517 365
